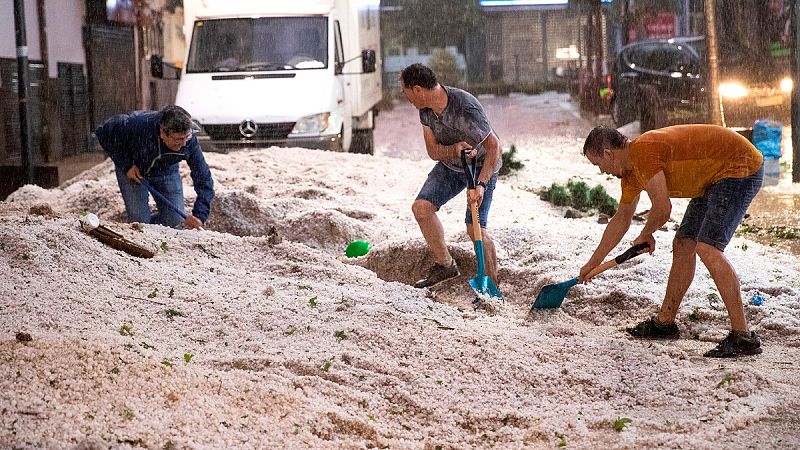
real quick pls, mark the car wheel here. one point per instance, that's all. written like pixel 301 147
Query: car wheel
pixel 620 114
pixel 651 110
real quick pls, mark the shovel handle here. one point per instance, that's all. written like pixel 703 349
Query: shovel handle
pixel 165 200
pixel 628 254
pixel 476 220
pixel 470 173
pixel 631 252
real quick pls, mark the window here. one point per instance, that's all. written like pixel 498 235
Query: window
pixel 258 44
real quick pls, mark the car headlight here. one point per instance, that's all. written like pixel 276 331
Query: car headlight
pixel 786 85
pixel 732 90
pixel 312 124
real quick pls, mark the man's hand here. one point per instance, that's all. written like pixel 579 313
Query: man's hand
pixel 588 267
pixel 134 174
pixel 192 223
pixel 475 195
pixel 463 146
pixel 646 238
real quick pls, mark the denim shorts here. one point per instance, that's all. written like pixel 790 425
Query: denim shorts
pixel 443 184
pixel 714 217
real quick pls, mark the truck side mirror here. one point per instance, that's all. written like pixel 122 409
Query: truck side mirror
pixel 368 61
pixel 156 66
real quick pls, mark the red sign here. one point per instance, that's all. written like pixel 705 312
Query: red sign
pixel 660 26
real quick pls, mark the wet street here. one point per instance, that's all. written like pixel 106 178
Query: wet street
pixel 775 212
pixel 776 217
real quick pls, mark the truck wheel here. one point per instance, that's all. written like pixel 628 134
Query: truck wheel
pixel 651 111
pixel 363 142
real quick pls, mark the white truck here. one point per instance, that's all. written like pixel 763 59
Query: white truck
pixel 299 73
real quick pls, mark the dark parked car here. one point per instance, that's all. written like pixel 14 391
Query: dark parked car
pixel 659 83
pixel 664 82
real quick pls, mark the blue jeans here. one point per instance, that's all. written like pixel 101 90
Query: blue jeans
pixel 136 198
pixel 443 184
pixel 714 217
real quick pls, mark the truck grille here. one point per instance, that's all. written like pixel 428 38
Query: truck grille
pixel 266 131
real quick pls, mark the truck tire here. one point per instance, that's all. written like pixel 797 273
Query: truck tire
pixel 363 142
pixel 651 110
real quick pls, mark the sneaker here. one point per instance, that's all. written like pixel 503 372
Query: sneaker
pixel 650 329
pixel 737 343
pixel 438 273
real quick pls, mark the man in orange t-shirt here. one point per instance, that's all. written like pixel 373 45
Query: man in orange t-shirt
pixel 721 172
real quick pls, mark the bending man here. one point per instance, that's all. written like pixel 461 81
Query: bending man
pixel 721 172
pixel 149 145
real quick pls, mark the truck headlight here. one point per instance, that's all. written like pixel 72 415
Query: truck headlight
pixel 786 85
pixel 312 124
pixel 732 90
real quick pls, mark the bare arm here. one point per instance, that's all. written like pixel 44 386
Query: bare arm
pixel 493 151
pixel 659 213
pixel 439 152
pixel 615 231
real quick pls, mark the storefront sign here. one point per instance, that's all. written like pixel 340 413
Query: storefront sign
pixel 661 25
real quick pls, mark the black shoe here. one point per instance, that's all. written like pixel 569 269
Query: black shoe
pixel 737 343
pixel 650 329
pixel 438 273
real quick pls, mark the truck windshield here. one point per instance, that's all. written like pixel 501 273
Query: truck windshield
pixel 259 44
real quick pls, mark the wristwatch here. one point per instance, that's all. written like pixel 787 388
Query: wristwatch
pixel 481 183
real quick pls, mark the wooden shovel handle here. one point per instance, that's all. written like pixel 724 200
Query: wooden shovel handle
pixel 476 222
pixel 629 253
pixel 601 268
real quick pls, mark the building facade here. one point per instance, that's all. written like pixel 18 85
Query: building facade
pixel 57 95
pixel 530 41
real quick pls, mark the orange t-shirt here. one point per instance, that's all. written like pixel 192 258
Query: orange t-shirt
pixel 692 157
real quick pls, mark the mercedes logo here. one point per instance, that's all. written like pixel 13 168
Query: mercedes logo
pixel 248 128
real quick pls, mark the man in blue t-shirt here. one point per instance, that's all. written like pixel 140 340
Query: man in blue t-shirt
pixel 148 145
pixel 452 121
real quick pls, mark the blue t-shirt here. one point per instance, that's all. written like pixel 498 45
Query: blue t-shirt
pixel 463 119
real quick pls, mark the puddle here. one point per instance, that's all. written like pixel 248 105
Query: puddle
pixel 775 212
pixel 775 219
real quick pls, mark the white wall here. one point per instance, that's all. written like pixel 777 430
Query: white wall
pixel 8 42
pixel 64 19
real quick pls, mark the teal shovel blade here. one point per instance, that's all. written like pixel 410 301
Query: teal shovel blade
pixel 483 284
pixel 552 295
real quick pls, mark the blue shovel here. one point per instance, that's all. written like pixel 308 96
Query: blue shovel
pixel 552 295
pixel 482 284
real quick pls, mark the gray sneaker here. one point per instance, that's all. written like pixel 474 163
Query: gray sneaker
pixel 737 343
pixel 438 273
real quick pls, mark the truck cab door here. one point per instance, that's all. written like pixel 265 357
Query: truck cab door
pixel 338 64
pixel 338 48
